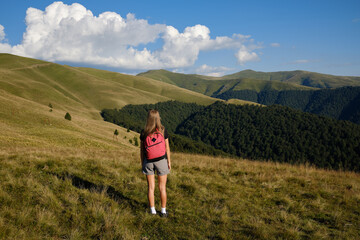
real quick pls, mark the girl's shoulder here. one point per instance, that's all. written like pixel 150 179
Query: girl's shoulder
pixel 166 135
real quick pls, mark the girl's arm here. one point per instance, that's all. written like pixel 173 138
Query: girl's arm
pixel 168 152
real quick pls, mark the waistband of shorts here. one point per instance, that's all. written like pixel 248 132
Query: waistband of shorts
pixel 156 159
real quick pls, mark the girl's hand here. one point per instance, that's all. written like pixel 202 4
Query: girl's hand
pixel 169 165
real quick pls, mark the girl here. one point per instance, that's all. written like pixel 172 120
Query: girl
pixel 155 156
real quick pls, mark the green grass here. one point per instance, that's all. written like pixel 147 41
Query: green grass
pixel 64 179
pixel 261 85
pixel 155 88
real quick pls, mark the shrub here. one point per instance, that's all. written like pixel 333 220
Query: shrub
pixel 136 142
pixel 68 116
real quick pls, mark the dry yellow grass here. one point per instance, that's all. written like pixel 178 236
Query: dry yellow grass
pixel 208 196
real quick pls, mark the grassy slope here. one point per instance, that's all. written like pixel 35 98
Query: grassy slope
pixel 210 85
pixel 94 89
pixel 311 79
pixel 188 81
pixel 241 102
pixel 71 179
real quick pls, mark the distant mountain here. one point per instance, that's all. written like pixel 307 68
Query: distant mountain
pixel 212 86
pixel 252 80
pixel 305 78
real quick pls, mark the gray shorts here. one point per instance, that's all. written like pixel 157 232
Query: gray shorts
pixel 160 166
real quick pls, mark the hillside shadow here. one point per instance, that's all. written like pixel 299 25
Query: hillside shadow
pixel 110 191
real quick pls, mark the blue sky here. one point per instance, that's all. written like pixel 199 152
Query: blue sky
pixel 205 37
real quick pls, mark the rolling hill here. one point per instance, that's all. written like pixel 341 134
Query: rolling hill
pixel 77 88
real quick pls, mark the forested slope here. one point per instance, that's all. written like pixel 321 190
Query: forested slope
pixel 277 133
pixel 340 103
pixel 274 133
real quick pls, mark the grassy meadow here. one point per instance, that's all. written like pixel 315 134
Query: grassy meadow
pixel 63 179
pixel 88 192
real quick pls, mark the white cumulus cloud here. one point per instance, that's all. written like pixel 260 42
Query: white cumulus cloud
pixel 4 47
pixel 212 71
pixel 2 33
pixel 246 55
pixel 71 33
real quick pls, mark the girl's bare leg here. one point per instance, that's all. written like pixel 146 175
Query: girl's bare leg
pixel 162 188
pixel 151 189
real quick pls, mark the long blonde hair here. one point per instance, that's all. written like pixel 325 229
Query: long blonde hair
pixel 153 123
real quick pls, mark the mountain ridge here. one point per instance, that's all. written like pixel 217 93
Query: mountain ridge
pixel 211 86
pixel 297 77
pixel 249 71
